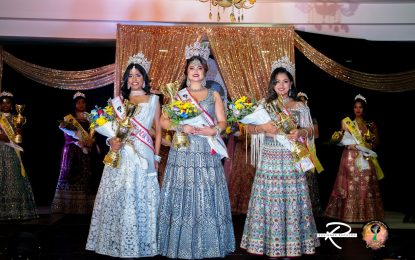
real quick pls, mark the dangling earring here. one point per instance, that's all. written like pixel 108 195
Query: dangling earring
pixel 128 86
pixel 203 83
pixel 188 82
pixel 144 85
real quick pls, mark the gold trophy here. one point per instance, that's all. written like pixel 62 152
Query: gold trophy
pixel 286 124
pixel 18 121
pixel 180 139
pixel 124 129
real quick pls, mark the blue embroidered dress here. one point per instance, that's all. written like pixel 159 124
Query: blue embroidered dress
pixel 280 220
pixel 194 215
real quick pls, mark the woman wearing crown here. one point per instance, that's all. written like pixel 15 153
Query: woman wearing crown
pixel 194 215
pixel 125 213
pixel 79 172
pixel 16 197
pixel 356 195
pixel 280 220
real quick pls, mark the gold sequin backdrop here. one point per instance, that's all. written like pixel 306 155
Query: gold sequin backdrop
pixel 164 46
pixel 244 56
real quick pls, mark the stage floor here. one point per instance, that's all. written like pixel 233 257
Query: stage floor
pixel 63 237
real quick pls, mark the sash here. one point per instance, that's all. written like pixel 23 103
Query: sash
pixel 71 119
pixel 8 130
pixel 355 132
pixel 303 158
pixel 216 142
pixel 140 132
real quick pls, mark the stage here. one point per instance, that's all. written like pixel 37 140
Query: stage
pixel 61 236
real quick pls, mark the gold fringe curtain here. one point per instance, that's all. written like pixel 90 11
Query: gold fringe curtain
pixel 163 46
pixel 245 55
pixel 68 80
pixel 394 82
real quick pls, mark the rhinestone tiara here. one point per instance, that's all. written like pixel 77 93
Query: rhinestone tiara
pixel 141 60
pixel 358 96
pixel 78 94
pixel 285 63
pixel 197 49
pixel 302 94
pixel 6 94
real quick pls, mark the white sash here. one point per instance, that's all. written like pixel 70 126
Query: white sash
pixel 216 143
pixel 140 132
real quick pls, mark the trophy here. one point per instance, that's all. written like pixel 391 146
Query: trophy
pixel 124 129
pixel 180 139
pixel 18 121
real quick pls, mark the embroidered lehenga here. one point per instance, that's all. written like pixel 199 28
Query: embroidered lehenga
pixel 124 220
pixel 16 196
pixel 356 196
pixel 280 220
pixel 194 216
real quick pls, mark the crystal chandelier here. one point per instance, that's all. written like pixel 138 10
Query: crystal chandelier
pixel 240 5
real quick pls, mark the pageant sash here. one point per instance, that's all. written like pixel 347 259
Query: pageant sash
pixel 8 130
pixel 140 132
pixel 363 147
pixel 84 134
pixel 216 143
pixel 303 157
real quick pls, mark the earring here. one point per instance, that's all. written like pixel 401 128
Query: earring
pixel 144 85
pixel 203 83
pixel 128 87
pixel 188 82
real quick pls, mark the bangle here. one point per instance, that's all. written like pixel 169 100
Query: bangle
pixel 157 158
pixel 218 129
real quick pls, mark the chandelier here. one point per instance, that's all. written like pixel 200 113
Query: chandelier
pixel 240 5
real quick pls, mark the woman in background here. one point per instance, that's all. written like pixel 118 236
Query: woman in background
pixel 356 196
pixel 80 167
pixel 16 196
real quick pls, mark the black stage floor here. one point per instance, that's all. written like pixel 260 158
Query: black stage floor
pixel 63 237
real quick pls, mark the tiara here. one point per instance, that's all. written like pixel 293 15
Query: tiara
pixel 6 94
pixel 197 50
pixel 78 94
pixel 302 94
pixel 285 63
pixel 358 96
pixel 141 60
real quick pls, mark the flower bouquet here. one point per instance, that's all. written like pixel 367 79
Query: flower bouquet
pixel 181 113
pixel 247 111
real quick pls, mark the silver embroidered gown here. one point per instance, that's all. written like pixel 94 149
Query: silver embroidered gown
pixel 194 215
pixel 124 219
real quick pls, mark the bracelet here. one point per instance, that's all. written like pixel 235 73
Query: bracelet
pixel 218 129
pixel 157 158
pixel 306 132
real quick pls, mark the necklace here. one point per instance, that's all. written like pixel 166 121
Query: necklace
pixel 135 93
pixel 196 89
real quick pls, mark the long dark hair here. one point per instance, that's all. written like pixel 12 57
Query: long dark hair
pixel 272 95
pixel 204 64
pixel 125 91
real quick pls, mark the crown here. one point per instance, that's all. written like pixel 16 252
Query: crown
pixel 141 60
pixel 285 63
pixel 78 94
pixel 197 50
pixel 6 94
pixel 302 94
pixel 358 96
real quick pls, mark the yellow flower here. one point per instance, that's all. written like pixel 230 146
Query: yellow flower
pixel 228 130
pixel 239 106
pixel 100 121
